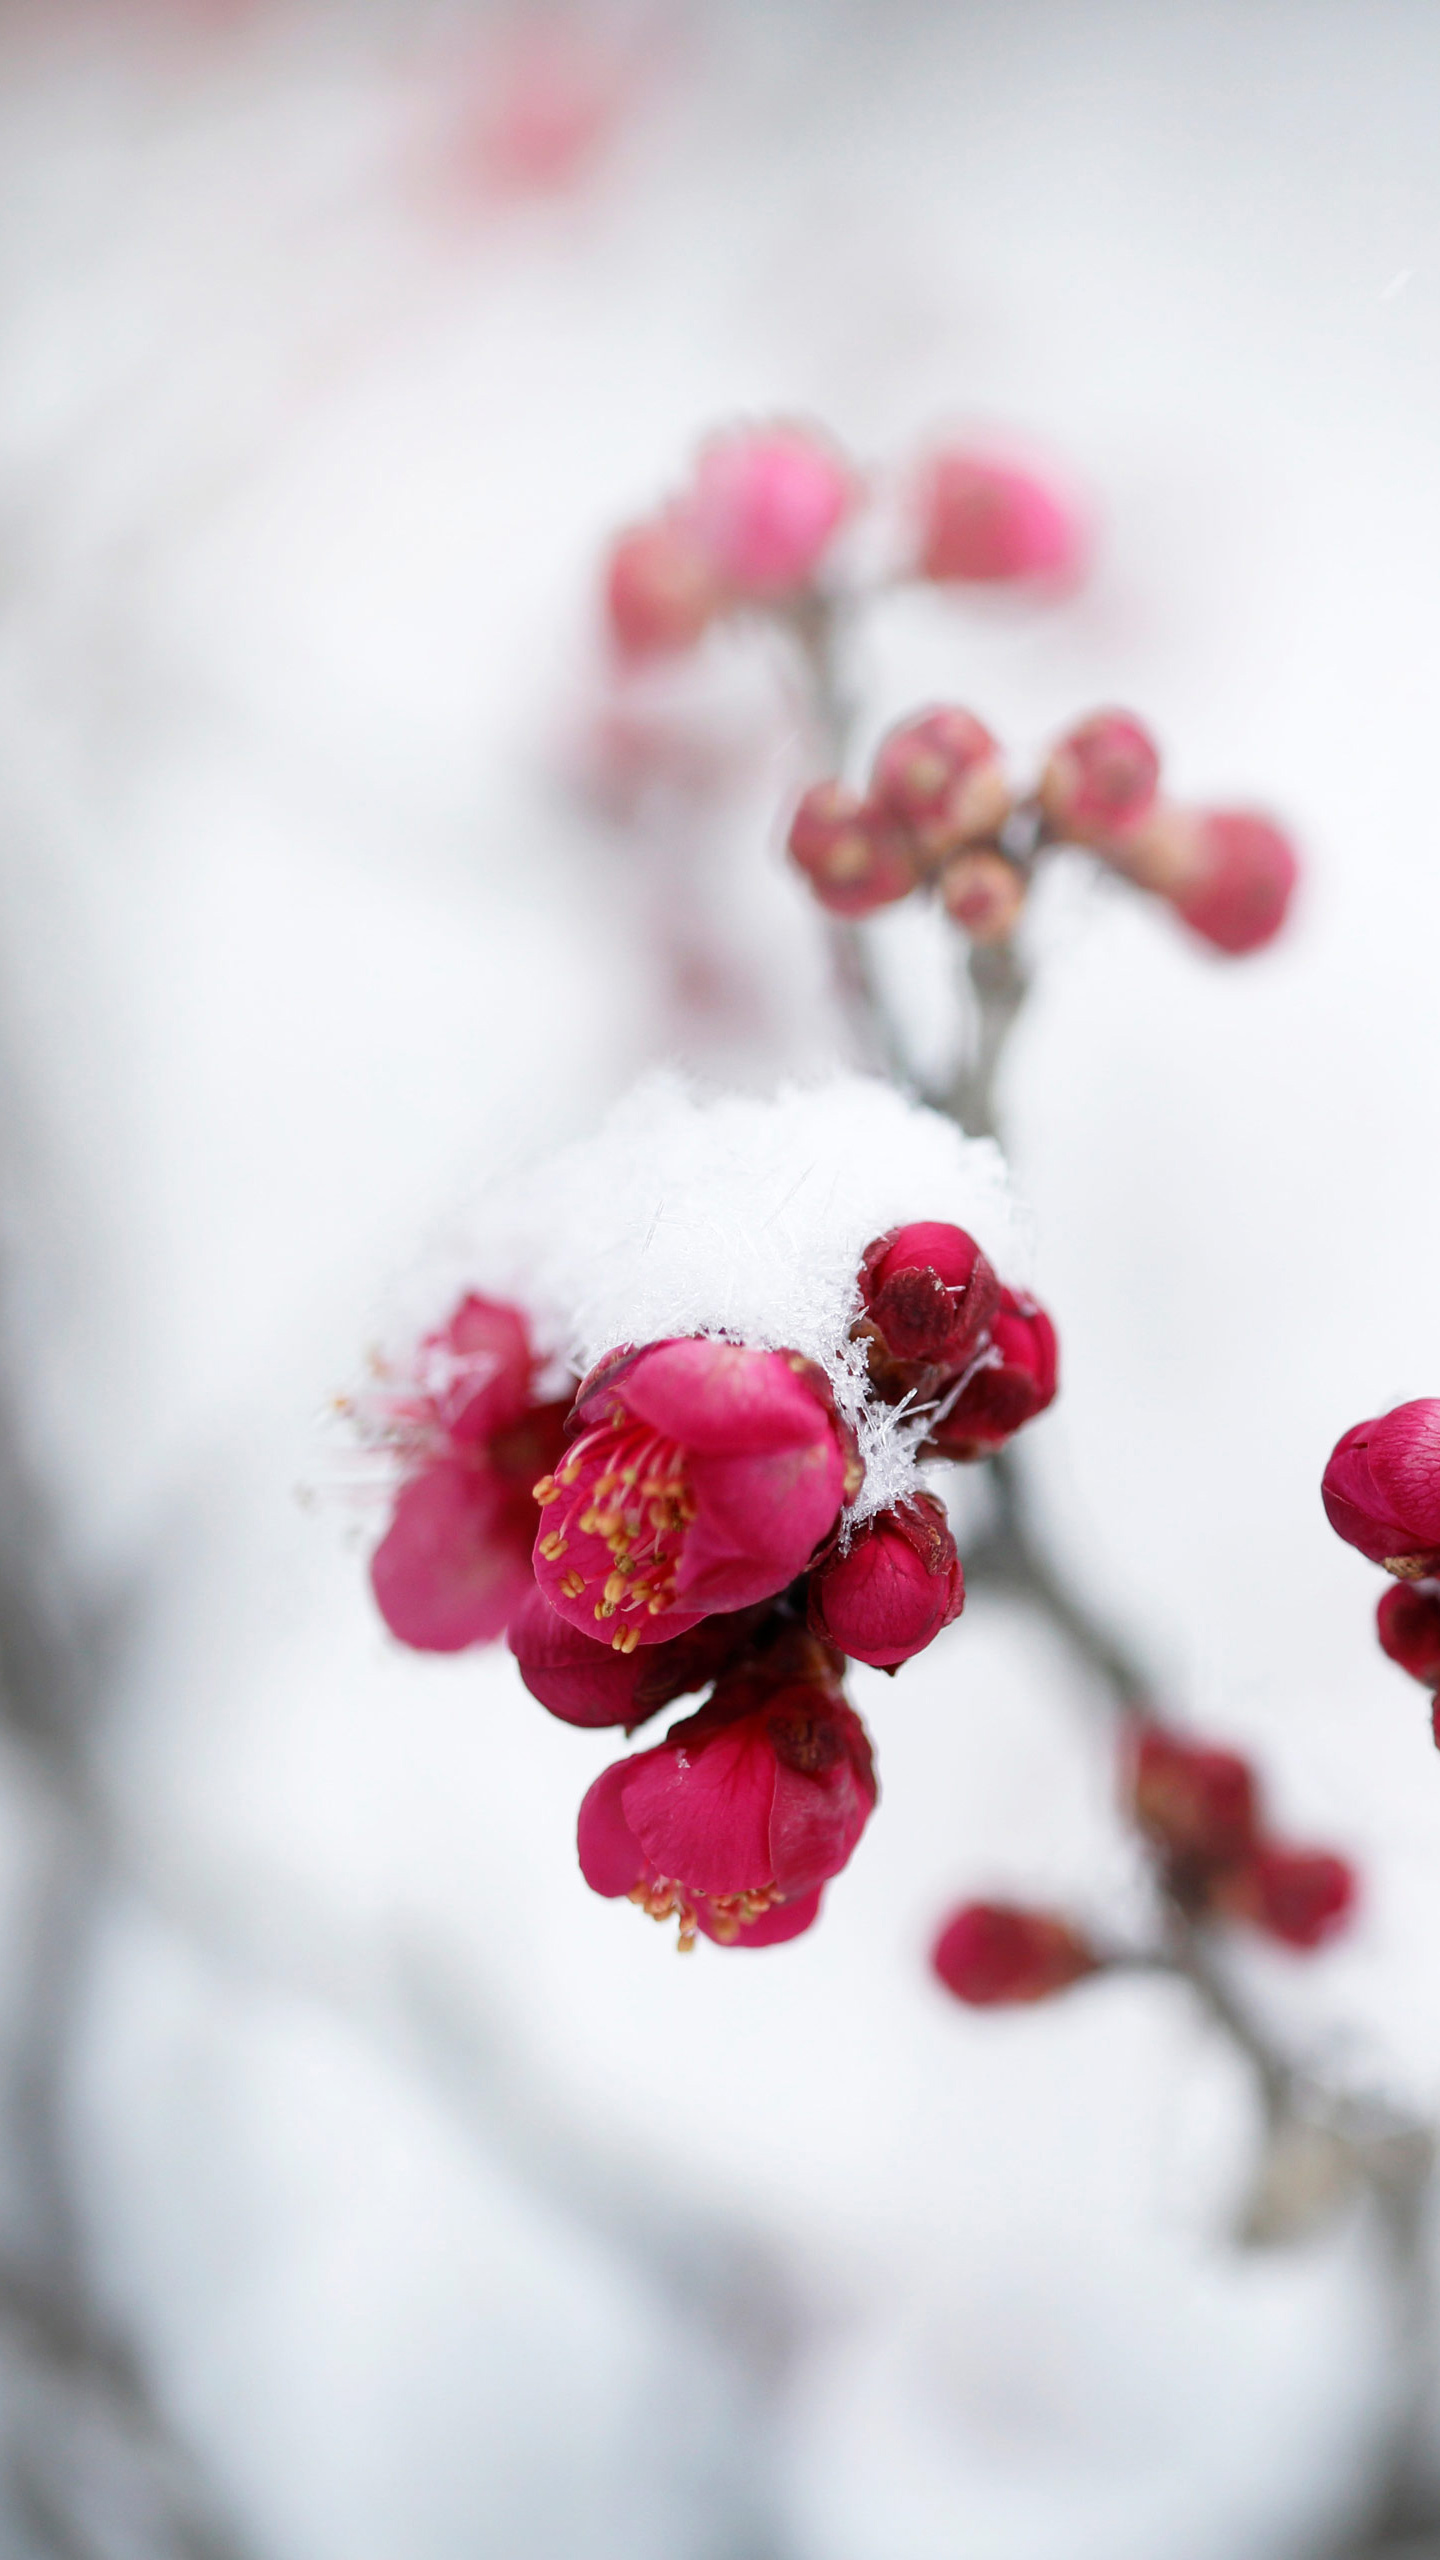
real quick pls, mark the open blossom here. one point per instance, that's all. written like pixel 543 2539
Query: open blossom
pixel 704 1477
pixel 455 1561
pixel 928 1293
pixel 941 776
pixel 984 520
pixel 739 1817
pixel 1101 779
pixel 584 1681
pixel 855 857
pixel 995 1954
pixel 765 503
pixel 1301 1896
pixel 894 1590
pixel 1408 1623
pixel 1014 1379
pixel 1381 1488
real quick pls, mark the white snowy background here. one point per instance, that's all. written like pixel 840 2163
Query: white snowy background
pixel 450 2213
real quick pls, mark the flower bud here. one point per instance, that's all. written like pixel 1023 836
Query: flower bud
pixel 1381 1489
pixel 765 504
pixel 1101 779
pixel 983 893
pixel 942 778
pixel 1195 1803
pixel 1015 1378
pixel 1301 1896
pixel 993 1954
pixel 660 589
pixel 1237 888
pixel 854 858
pixel 928 1294
pixel 983 520
pixel 897 1585
pixel 1408 1623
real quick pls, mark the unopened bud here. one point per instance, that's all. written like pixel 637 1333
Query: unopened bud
pixel 994 1954
pixel 1195 1803
pixel 894 1589
pixel 854 858
pixel 1241 878
pixel 1101 780
pixel 928 1293
pixel 1408 1623
pixel 1301 1896
pixel 660 589
pixel 942 777
pixel 1015 1379
pixel 983 520
pixel 983 893
pixel 1381 1489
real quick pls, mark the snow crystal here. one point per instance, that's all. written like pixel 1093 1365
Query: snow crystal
pixel 686 1214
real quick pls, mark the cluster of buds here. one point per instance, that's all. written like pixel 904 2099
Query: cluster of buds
pixel 1198 1809
pixel 939 814
pixel 756 525
pixel 1381 1491
pixel 684 1523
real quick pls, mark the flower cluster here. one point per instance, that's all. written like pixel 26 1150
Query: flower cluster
pixel 758 521
pixel 939 813
pixel 1381 1491
pixel 1198 1809
pixel 686 1523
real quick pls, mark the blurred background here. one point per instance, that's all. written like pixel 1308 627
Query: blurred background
pixel 367 2187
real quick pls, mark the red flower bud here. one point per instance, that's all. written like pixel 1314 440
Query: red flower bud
pixel 703 1479
pixel 766 502
pixel 1195 1803
pixel 1381 1489
pixel 1408 1620
pixel 941 777
pixel 983 893
pixel 1239 881
pixel 584 1681
pixel 983 520
pixel 899 1583
pixel 1101 779
pixel 992 1954
pixel 660 589
pixel 734 1818
pixel 1016 1378
pixel 928 1294
pixel 454 1562
pixel 1301 1896
pixel 854 858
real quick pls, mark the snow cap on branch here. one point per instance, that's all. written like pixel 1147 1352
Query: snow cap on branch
pixel 745 1217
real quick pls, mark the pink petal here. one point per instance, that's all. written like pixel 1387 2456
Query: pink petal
pixel 719 1399
pixel 815 1824
pixel 702 1816
pixel 611 1860
pixel 450 1568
